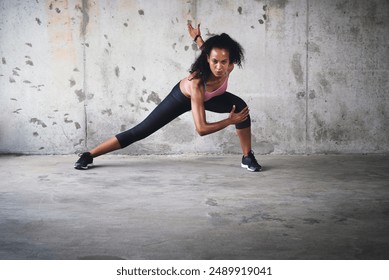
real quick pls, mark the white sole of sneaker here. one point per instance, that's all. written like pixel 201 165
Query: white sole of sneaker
pixel 247 167
pixel 84 168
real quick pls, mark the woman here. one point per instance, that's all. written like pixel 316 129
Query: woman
pixel 204 89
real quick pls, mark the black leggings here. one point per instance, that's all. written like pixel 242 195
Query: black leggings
pixel 174 105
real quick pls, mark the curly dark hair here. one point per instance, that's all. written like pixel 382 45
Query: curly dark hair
pixel 222 41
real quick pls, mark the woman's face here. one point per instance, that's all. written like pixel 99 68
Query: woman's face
pixel 218 60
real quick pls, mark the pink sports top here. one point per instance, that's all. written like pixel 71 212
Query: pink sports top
pixel 222 89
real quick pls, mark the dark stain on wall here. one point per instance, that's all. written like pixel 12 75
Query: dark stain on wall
pixel 66 120
pixel 38 87
pixel 343 129
pixel 312 94
pixel 264 16
pixel 324 83
pixel 84 9
pixel 209 34
pixel 38 122
pixel 80 94
pixel 300 95
pixel 141 12
pixel 297 68
pixel 313 47
pixel 153 97
pixel 107 112
pixel 72 82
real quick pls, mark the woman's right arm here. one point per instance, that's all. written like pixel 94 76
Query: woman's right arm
pixel 198 111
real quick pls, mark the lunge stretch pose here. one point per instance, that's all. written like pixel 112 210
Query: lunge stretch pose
pixel 203 89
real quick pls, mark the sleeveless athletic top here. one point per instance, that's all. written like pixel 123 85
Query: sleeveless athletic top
pixel 222 89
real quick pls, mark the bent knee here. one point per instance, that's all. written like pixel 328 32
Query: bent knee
pixel 246 123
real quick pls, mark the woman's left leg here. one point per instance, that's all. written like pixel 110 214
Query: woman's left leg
pixel 223 104
pixel 244 135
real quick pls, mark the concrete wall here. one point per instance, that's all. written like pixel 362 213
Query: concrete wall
pixel 75 72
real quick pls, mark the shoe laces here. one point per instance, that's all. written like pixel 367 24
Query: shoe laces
pixel 252 157
pixel 84 155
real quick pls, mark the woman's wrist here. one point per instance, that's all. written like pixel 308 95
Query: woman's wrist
pixel 196 37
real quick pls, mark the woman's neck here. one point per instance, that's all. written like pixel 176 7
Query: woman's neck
pixel 213 79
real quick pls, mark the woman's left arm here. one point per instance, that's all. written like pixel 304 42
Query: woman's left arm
pixel 195 33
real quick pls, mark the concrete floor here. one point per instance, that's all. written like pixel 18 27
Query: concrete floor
pixel 195 207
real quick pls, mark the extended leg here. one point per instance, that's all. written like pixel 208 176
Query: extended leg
pixel 110 145
pixel 86 159
pixel 170 108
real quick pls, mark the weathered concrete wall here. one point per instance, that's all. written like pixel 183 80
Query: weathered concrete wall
pixel 348 88
pixel 75 72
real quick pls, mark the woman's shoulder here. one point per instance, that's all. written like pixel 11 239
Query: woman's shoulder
pixel 193 80
pixel 191 84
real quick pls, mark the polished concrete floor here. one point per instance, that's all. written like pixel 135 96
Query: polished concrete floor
pixel 195 207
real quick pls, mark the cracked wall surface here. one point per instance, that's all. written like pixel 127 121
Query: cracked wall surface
pixel 76 72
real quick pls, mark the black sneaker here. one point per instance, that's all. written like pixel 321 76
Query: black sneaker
pixel 84 161
pixel 250 163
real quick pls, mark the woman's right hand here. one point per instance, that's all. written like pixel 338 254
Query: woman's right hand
pixel 238 117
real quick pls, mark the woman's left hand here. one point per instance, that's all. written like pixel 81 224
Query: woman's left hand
pixel 238 117
pixel 193 32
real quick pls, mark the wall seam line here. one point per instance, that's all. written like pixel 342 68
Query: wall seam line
pixel 85 21
pixel 307 80
pixel 85 92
